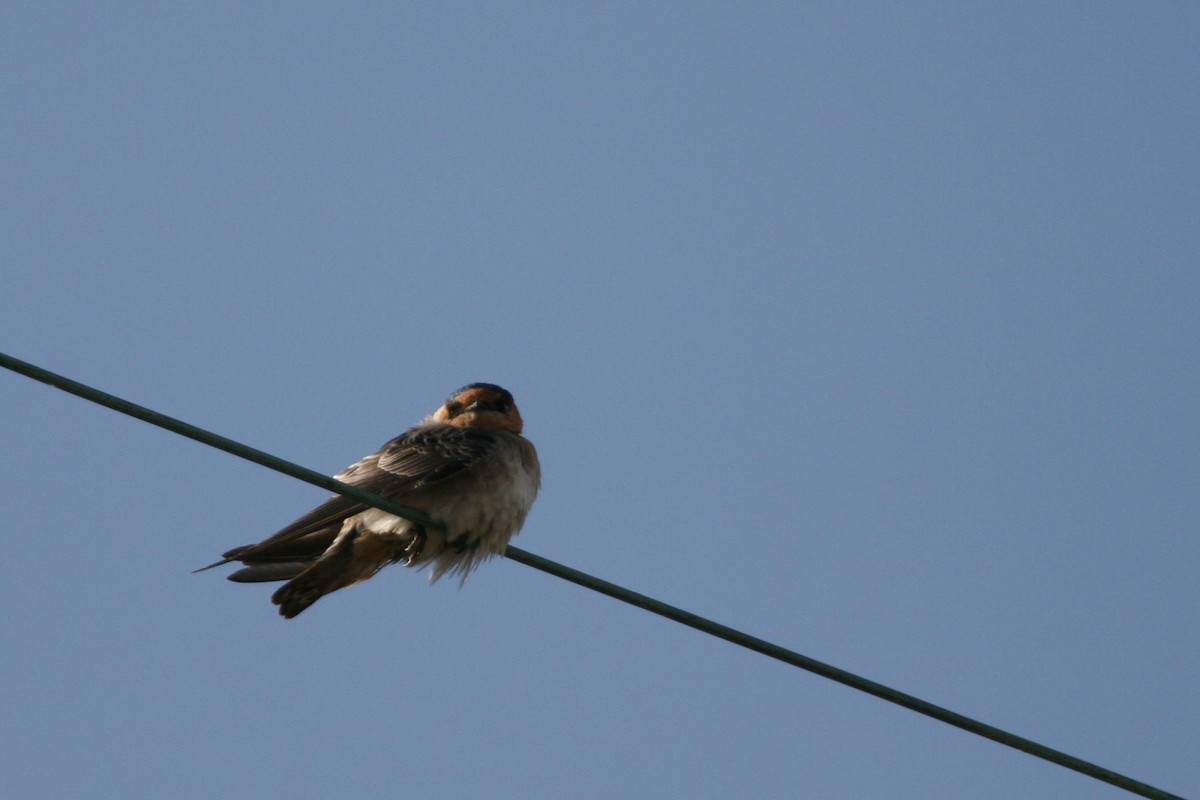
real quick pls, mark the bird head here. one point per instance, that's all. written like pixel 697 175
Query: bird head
pixel 481 405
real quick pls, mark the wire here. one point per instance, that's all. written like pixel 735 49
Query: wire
pixel 602 586
pixel 213 440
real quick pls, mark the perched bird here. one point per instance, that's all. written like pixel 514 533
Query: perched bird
pixel 466 466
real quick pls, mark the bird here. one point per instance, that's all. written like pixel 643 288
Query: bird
pixel 467 466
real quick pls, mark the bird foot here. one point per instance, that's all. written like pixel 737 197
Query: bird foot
pixel 415 546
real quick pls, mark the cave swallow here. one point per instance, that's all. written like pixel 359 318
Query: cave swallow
pixel 466 466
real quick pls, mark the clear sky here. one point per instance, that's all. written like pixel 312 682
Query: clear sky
pixel 869 330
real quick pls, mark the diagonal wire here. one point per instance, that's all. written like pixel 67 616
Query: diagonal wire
pixel 602 586
pixel 213 440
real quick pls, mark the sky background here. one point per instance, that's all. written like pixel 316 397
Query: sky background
pixel 871 331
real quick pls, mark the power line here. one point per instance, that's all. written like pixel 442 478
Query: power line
pixel 596 584
pixel 213 440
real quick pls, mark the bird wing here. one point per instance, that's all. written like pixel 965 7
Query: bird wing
pixel 420 457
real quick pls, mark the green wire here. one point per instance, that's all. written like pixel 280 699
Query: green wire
pixel 602 586
pixel 213 440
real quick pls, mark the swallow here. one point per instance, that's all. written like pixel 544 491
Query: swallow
pixel 467 466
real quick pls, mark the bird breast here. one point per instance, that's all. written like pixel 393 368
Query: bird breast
pixel 481 508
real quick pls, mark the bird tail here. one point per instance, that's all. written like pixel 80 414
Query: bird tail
pixel 226 558
pixel 337 568
pixel 297 595
pixel 323 577
pixel 265 573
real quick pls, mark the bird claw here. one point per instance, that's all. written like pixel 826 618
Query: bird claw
pixel 415 546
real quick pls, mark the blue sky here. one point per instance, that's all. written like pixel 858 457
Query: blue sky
pixel 869 330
